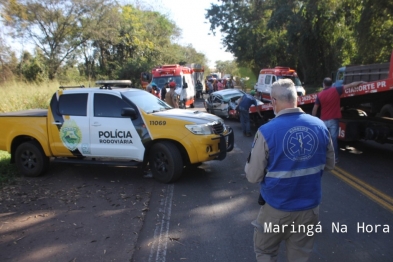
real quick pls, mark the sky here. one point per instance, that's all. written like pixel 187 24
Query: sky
pixel 189 15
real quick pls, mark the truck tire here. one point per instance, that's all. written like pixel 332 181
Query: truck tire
pixel 165 162
pixel 387 111
pixel 30 159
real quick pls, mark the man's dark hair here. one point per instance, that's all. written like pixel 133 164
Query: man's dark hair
pixel 327 81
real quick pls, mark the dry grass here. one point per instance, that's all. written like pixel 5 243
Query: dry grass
pixel 21 96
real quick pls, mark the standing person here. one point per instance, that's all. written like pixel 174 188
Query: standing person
pixel 244 105
pixel 198 89
pixel 329 100
pixel 288 157
pixel 230 83
pixel 210 87
pixel 215 88
pixel 224 83
pixel 153 89
pixel 220 86
pixel 171 96
pixel 163 91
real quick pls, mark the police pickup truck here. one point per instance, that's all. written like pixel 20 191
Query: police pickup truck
pixel 113 125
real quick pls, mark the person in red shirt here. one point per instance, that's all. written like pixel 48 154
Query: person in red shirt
pixel 329 101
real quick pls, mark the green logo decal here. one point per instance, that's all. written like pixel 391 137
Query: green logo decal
pixel 70 134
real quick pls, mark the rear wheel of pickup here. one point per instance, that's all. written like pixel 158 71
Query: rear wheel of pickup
pixel 165 162
pixel 30 159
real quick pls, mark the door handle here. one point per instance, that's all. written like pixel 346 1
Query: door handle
pixel 96 124
pixel 57 123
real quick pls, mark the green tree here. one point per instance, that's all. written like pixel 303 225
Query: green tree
pixel 57 27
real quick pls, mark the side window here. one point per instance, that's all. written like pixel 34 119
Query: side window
pixel 108 105
pixel 268 79
pixel 274 79
pixel 217 99
pixel 73 104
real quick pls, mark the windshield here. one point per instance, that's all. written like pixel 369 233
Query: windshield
pixel 147 102
pixel 295 79
pixel 160 81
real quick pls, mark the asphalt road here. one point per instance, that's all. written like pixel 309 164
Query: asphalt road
pixel 83 213
pixel 207 214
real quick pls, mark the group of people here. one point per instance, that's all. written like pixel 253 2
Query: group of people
pixel 288 157
pixel 169 97
pixel 219 84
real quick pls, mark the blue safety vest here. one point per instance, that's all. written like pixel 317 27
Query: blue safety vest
pixel 297 145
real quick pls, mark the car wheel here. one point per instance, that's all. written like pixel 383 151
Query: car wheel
pixel 165 162
pixel 30 159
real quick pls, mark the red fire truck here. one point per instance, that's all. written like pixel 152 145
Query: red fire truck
pixel 367 110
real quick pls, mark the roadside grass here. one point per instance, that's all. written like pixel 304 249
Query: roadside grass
pixel 8 171
pixel 22 96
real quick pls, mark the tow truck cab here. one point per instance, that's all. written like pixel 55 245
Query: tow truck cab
pixel 268 76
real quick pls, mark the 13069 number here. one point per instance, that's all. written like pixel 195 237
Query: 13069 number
pixel 157 123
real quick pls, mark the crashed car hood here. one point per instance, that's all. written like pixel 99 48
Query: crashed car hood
pixel 195 116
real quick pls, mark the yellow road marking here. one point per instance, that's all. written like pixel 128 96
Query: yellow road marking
pixel 371 192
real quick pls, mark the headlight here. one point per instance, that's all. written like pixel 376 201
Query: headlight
pixel 203 129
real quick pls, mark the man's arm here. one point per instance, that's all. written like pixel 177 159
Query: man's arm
pixel 330 158
pixel 353 84
pixel 256 105
pixel 315 110
pixel 257 160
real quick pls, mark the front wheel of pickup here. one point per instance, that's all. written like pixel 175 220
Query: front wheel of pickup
pixel 165 162
pixel 30 159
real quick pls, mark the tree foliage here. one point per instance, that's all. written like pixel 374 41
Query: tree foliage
pixel 313 36
pixel 99 38
pixel 57 27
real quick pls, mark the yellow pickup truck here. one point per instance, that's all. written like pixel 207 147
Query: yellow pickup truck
pixel 113 126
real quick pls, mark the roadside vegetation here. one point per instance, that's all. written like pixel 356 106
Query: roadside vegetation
pixel 8 172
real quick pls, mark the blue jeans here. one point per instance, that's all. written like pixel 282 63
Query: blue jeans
pixel 244 120
pixel 332 126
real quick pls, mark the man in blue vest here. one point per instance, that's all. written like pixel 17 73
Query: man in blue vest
pixel 288 157
pixel 245 102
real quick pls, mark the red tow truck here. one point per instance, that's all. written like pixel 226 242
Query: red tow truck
pixel 367 110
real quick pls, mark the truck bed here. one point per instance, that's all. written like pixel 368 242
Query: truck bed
pixel 27 113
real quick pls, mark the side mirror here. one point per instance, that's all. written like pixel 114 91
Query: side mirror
pixel 128 111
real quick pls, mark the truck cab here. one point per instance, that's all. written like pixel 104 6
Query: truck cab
pixel 268 76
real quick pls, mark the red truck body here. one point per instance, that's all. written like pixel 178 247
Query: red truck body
pixel 360 119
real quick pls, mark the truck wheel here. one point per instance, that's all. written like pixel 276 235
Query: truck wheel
pixel 387 111
pixel 30 159
pixel 165 162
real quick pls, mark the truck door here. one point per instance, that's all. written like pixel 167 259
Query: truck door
pixel 270 81
pixel 68 124
pixel 111 134
pixel 260 83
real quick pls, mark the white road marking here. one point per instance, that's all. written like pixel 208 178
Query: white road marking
pixel 162 228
